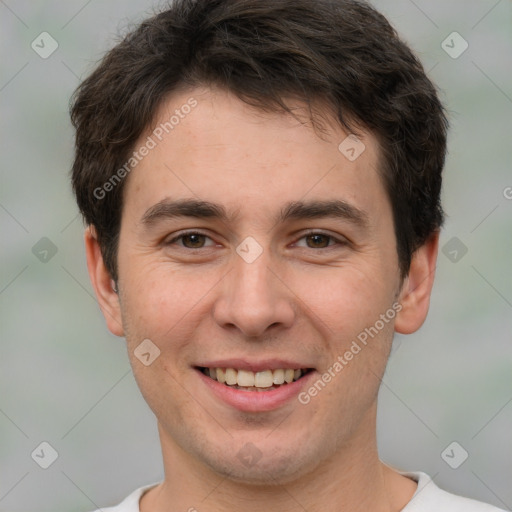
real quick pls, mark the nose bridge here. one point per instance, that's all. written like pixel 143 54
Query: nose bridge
pixel 252 298
pixel 252 281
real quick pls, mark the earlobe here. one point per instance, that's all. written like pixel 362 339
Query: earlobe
pixel 417 287
pixel 104 287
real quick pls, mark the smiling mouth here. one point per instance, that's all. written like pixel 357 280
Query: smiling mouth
pixel 245 380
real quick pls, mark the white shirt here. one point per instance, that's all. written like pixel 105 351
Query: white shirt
pixel 427 498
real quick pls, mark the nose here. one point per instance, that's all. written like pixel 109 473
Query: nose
pixel 253 298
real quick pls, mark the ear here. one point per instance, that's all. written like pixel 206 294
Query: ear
pixel 102 283
pixel 417 287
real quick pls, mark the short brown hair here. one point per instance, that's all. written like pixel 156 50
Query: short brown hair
pixel 341 52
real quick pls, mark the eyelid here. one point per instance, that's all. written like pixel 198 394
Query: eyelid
pixel 339 239
pixel 184 233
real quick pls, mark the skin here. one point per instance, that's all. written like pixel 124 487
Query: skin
pixel 303 298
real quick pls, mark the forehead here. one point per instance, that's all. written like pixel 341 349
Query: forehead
pixel 208 144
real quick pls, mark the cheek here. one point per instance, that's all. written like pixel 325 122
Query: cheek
pixel 156 294
pixel 344 300
pixel 165 306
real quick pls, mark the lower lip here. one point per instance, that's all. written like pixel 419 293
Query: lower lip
pixel 256 401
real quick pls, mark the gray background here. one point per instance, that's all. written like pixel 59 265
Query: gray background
pixel 65 380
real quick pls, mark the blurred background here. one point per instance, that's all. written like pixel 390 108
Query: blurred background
pixel 446 401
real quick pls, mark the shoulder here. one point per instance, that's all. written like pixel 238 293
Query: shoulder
pixel 130 503
pixel 429 497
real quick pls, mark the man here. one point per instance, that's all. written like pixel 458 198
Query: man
pixel 261 184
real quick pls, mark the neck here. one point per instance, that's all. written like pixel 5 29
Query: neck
pixel 352 479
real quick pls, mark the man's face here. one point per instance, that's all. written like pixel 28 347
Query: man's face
pixel 273 285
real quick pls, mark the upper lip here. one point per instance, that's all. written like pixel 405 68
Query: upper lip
pixel 254 366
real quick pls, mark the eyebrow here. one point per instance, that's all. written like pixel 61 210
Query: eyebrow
pixel 295 210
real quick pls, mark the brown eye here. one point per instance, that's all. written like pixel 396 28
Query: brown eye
pixel 318 241
pixel 193 240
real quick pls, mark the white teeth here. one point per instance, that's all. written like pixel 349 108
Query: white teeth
pixel 257 381
pixel 221 375
pixel 263 379
pixel 245 378
pixel 288 375
pixel 231 376
pixel 278 376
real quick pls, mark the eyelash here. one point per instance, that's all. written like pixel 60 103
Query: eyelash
pixel 305 235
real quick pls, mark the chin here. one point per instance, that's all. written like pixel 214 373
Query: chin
pixel 268 469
